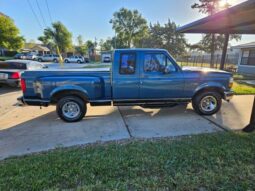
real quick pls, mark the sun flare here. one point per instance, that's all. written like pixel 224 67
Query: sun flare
pixel 224 3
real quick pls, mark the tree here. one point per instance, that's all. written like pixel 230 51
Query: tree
pixel 130 27
pixel 166 37
pixel 106 45
pixel 82 48
pixel 9 34
pixel 210 42
pixel 58 35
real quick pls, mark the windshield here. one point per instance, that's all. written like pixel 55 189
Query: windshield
pixel 13 66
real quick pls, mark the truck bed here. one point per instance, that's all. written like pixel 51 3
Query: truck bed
pixel 42 84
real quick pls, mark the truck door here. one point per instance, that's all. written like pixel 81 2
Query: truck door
pixel 160 77
pixel 125 79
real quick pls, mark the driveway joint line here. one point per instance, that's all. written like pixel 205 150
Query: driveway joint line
pixel 125 123
pixel 216 124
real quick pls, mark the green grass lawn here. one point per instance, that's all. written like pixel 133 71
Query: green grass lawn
pixel 220 161
pixel 241 88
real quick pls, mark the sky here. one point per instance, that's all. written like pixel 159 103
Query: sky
pixel 90 18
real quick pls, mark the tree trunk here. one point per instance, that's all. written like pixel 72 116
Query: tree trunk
pixel 212 51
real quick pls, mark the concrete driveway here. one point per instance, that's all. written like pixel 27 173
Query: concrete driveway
pixel 31 129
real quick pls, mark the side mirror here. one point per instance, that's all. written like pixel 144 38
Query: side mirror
pixel 167 70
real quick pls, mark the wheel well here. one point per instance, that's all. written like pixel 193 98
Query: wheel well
pixel 214 89
pixel 58 95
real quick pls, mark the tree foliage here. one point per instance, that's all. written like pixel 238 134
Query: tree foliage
pixel 82 48
pixel 57 35
pixel 9 34
pixel 130 27
pixel 106 45
pixel 165 36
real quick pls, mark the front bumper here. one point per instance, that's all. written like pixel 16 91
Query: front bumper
pixel 228 95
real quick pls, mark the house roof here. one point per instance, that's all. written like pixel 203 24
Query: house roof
pixel 40 48
pixel 238 19
pixel 246 45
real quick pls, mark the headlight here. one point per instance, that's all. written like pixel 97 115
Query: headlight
pixel 231 81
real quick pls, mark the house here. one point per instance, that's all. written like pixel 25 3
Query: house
pixel 37 48
pixel 40 49
pixel 246 61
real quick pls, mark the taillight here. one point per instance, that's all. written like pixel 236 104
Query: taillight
pixel 23 85
pixel 15 75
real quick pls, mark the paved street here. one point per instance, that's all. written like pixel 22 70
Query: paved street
pixel 31 129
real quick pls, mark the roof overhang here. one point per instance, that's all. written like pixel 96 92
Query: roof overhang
pixel 239 19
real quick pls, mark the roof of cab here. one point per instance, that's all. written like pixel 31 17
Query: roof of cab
pixel 141 49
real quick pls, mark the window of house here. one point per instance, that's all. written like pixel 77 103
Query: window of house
pixel 248 57
pixel 127 63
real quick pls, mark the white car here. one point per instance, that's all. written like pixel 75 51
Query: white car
pixel 74 59
pixel 31 57
pixel 48 58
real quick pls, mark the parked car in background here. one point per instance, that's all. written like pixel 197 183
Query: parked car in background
pixel 107 59
pixel 31 56
pixel 74 59
pixel 48 58
pixel 10 71
pixel 143 77
pixel 86 59
pixel 20 56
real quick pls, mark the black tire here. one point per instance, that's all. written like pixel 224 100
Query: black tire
pixel 78 61
pixel 39 60
pixel 66 61
pixel 213 96
pixel 71 99
pixel 55 60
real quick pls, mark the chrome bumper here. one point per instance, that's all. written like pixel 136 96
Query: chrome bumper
pixel 228 95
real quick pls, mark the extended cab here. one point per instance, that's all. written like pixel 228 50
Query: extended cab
pixel 144 77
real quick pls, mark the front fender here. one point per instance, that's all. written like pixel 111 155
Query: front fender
pixel 208 85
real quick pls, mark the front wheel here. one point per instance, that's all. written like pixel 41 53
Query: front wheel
pixel 78 61
pixel 207 103
pixel 71 108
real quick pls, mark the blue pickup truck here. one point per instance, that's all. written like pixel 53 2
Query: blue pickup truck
pixel 144 77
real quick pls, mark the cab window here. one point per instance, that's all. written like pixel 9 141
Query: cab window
pixel 127 63
pixel 154 62
pixel 157 63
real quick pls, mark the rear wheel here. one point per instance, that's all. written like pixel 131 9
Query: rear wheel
pixel 78 61
pixel 71 108
pixel 207 102
pixel 40 60
pixel 66 61
pixel 55 60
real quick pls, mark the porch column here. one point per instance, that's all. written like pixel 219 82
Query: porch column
pixel 224 51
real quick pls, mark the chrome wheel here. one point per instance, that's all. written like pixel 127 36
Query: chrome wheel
pixel 208 103
pixel 71 110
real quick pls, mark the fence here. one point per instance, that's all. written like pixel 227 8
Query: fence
pixel 205 60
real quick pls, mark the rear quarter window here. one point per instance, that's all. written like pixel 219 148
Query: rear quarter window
pixel 13 66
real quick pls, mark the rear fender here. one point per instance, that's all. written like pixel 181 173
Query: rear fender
pixel 69 90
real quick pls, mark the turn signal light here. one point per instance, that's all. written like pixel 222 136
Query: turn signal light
pixel 231 81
